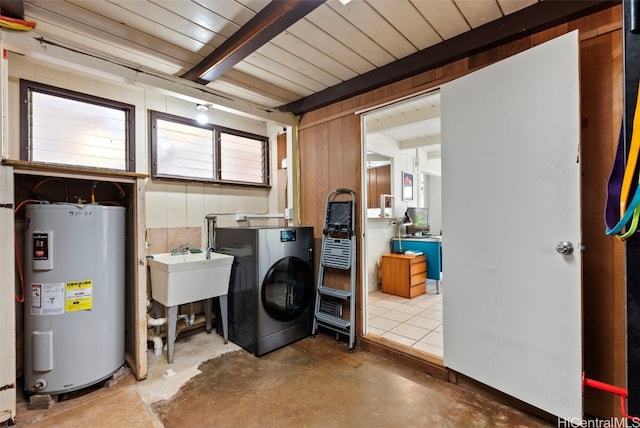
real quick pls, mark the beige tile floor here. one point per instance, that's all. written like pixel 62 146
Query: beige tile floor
pixel 413 322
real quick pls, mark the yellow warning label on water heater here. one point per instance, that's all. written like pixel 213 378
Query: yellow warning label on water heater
pixel 79 295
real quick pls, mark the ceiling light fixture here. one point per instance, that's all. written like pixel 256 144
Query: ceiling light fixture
pixel 344 2
pixel 202 113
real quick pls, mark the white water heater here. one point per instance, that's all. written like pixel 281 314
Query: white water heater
pixel 74 295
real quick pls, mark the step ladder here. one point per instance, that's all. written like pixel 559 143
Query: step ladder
pixel 338 253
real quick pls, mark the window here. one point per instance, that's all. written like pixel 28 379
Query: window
pixel 69 128
pixel 181 148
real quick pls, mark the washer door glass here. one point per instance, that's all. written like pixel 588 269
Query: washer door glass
pixel 287 289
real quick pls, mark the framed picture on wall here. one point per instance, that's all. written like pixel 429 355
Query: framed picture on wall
pixel 407 186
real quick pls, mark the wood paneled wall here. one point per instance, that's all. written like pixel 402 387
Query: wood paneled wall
pixel 378 183
pixel 604 320
pixel 330 150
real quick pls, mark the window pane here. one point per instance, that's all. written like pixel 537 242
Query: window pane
pixel 241 159
pixel 181 148
pixel 71 132
pixel 184 150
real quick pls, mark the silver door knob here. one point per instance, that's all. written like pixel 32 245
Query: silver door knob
pixel 564 247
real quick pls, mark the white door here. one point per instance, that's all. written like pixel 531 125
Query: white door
pixel 511 193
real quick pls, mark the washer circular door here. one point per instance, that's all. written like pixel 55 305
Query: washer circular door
pixel 287 289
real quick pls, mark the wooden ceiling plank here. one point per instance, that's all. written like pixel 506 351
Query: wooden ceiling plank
pixel 511 6
pixel 303 64
pixel 353 38
pixel 407 21
pixel 222 17
pixel 276 17
pixel 541 15
pixel 146 18
pixel 163 22
pixel 98 47
pixel 81 39
pixel 241 91
pixel 443 16
pixel 12 9
pixel 253 5
pixel 167 84
pixel 478 13
pixel 93 26
pixel 275 73
pixel 399 120
pixel 416 143
pixel 331 47
pixel 265 73
pixel 307 49
pixel 266 88
pixel 364 17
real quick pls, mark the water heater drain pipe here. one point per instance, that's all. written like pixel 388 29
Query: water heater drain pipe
pixel 154 337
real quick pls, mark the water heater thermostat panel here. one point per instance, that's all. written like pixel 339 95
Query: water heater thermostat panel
pixel 43 250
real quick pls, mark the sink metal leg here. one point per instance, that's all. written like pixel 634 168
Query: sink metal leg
pixel 207 314
pixel 172 318
pixel 224 313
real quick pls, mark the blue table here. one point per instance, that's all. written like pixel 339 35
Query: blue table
pixel 430 247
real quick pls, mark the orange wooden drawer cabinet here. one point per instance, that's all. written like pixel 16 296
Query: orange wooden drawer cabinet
pixel 404 275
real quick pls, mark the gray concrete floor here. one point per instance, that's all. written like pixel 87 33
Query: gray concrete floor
pixel 314 382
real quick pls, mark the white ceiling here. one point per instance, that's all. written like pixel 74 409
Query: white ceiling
pixel 411 124
pixel 330 52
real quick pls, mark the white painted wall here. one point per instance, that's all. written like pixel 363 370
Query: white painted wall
pixel 435 204
pixel 379 234
pixel 380 231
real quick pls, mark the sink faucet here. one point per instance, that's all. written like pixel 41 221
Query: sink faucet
pixel 182 249
pixel 209 251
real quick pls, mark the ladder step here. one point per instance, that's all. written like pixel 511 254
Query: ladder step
pixel 332 321
pixel 334 292
pixel 331 307
pixel 336 253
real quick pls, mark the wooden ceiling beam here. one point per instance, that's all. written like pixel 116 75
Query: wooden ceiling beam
pixel 272 20
pixel 12 8
pixel 542 15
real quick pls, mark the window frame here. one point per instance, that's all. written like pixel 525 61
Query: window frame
pixel 28 86
pixel 217 132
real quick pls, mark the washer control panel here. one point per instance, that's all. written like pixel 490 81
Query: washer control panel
pixel 287 235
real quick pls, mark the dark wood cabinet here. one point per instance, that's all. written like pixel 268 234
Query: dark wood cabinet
pixel 378 183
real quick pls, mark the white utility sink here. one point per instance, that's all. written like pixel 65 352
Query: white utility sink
pixel 185 278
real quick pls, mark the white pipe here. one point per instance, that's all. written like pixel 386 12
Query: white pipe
pixel 156 338
pixel 244 217
pixel 157 342
pixel 155 322
pixel 183 326
pixel 192 314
